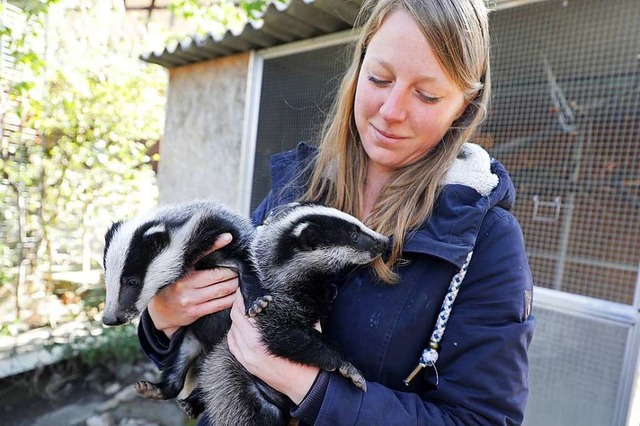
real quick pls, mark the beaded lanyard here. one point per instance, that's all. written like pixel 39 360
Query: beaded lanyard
pixel 429 356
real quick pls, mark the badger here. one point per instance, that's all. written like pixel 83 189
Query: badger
pixel 297 254
pixel 147 253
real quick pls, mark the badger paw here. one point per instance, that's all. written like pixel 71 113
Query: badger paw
pixel 187 408
pixel 148 390
pixel 352 373
pixel 258 305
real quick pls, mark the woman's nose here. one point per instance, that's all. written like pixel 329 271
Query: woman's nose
pixel 395 105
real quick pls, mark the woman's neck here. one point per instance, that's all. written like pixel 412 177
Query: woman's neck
pixel 373 185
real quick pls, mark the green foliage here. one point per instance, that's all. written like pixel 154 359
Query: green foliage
pixel 12 328
pixel 217 16
pixel 92 299
pixel 190 422
pixel 88 111
pixel 113 346
pixel 7 272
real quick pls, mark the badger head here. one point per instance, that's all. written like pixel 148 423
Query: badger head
pixel 138 262
pixel 147 253
pixel 304 240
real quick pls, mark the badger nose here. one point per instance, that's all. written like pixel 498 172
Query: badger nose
pixel 113 320
pixel 382 245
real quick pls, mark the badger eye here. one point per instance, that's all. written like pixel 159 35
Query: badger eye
pixel 132 282
pixel 355 237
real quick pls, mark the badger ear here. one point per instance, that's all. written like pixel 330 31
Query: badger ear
pixel 309 236
pixel 107 240
pixel 157 234
pixel 112 230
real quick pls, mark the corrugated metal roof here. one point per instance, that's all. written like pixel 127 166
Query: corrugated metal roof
pixel 296 20
pixel 293 21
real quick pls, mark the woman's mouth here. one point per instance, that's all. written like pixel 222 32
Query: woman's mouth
pixel 387 136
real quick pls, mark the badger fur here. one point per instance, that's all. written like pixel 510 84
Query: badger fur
pixel 297 254
pixel 145 254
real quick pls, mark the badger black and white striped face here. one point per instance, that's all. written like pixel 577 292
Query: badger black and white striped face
pixel 145 254
pixel 308 239
pixel 137 263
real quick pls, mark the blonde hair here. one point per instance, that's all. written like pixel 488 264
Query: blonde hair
pixel 457 31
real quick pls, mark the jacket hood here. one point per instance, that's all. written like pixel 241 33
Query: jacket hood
pixel 474 168
pixel 474 184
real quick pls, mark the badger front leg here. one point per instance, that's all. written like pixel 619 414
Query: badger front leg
pixel 174 371
pixel 310 347
pixel 253 294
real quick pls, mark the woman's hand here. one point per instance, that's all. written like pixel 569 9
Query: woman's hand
pixel 287 377
pixel 198 294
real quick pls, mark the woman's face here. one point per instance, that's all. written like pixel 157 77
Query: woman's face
pixel 405 102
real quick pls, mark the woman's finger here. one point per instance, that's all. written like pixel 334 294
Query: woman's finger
pixel 239 301
pixel 213 306
pixel 221 241
pixel 197 296
pixel 207 277
pixel 237 311
pixel 234 348
pixel 218 290
pixel 244 339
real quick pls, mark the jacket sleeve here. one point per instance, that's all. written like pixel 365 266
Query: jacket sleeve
pixel 258 216
pixel 483 364
pixel 154 343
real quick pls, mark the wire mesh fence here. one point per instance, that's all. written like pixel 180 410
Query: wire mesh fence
pixel 566 123
pixel 564 119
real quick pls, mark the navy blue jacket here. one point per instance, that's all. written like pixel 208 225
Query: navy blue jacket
pixel 482 370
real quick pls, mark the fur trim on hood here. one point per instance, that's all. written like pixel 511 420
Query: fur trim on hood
pixel 472 168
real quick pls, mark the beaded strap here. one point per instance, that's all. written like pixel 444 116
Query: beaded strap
pixel 429 356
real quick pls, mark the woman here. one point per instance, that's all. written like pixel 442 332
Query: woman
pixel 417 89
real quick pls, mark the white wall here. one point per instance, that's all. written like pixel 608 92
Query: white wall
pixel 200 151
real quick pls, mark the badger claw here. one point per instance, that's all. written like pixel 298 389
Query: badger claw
pixel 352 373
pixel 187 408
pixel 148 390
pixel 258 305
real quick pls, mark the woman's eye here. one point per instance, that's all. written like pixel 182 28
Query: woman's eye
pixel 377 81
pixel 427 99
